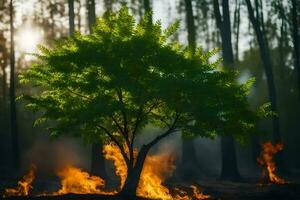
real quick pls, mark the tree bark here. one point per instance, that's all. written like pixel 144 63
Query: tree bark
pixel 71 17
pixel 91 14
pixel 128 192
pixel 12 94
pixel 267 63
pixel 229 170
pixel 296 42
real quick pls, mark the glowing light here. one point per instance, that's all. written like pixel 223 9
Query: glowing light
pixel 27 40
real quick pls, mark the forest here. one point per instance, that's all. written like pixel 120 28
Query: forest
pixel 150 99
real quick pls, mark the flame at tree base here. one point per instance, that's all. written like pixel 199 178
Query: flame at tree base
pixel 266 161
pixel 157 168
pixel 24 185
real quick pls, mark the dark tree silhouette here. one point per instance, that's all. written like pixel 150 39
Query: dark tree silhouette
pixel 257 24
pixel 295 36
pixel 148 9
pixel 91 10
pixel 229 161
pixel 71 16
pixel 189 158
pixel 12 95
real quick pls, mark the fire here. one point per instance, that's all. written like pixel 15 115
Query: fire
pixel 112 152
pixel 157 168
pixel 266 160
pixel 183 195
pixel 24 185
pixel 74 180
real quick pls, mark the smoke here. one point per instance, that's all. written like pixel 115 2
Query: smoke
pixel 51 155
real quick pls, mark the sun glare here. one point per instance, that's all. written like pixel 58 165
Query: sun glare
pixel 27 40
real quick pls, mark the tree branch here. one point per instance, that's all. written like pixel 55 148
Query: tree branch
pixel 77 94
pixel 171 129
pixel 116 142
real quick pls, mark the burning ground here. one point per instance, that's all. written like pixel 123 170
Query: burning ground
pixel 155 182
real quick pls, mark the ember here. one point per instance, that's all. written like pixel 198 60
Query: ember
pixel 267 162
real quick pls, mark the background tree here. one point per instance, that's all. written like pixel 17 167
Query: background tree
pixel 258 27
pixel 118 90
pixel 12 95
pixel 71 16
pixel 295 36
pixel 229 160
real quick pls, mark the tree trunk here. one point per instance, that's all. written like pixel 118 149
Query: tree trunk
pixel 91 14
pixel 190 25
pixel 229 161
pixel 188 166
pixel 229 169
pixel 128 191
pixel 237 20
pixel 267 63
pixel 148 10
pixel 78 16
pixel 98 162
pixel 71 17
pixel 12 95
pixel 296 41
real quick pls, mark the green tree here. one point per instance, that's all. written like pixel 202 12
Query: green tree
pixel 108 85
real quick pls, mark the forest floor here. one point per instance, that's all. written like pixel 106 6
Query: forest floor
pixel 218 190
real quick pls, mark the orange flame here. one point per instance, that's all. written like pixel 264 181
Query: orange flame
pixel 74 180
pixel 24 185
pixel 267 162
pixel 157 168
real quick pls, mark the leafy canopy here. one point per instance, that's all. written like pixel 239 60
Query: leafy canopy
pixel 123 76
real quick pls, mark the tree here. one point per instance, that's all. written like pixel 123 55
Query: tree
pixel 189 157
pixel 107 86
pixel 229 161
pixel 12 95
pixel 267 63
pixel 91 10
pixel 97 158
pixel 148 10
pixel 295 36
pixel 71 16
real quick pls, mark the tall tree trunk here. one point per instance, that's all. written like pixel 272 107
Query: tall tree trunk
pixel 229 169
pixel 71 17
pixel 267 63
pixel 78 15
pixel 190 24
pixel 12 95
pixel 188 168
pixel 296 41
pixel 237 20
pixel 91 14
pixel 148 10
pixel 97 158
